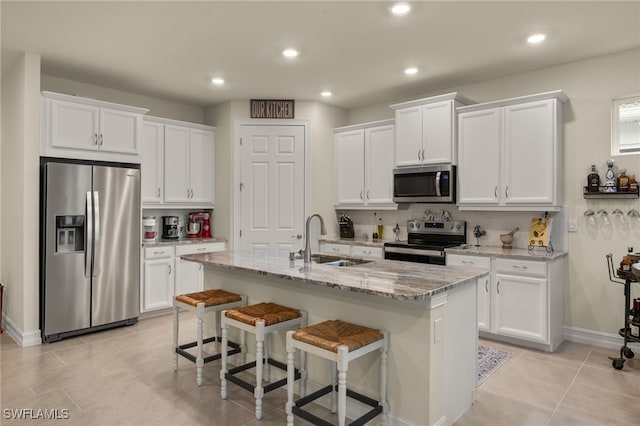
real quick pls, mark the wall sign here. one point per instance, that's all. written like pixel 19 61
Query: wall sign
pixel 272 108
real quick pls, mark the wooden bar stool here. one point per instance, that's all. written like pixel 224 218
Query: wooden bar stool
pixel 259 319
pixel 340 342
pixel 203 302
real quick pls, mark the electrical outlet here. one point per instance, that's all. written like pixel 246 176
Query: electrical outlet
pixel 573 224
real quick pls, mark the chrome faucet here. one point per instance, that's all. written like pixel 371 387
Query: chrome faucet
pixel 307 245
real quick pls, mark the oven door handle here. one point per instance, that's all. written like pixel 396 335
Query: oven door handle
pixel 403 250
pixel 438 184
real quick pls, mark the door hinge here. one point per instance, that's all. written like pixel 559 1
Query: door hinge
pixel 241 186
pixel 241 233
pixel 240 141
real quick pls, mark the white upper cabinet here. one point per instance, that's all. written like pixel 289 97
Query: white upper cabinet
pixel 364 165
pixel 426 130
pixel 177 163
pixel 510 154
pixel 75 127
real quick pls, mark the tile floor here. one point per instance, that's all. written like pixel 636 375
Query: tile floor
pixel 125 377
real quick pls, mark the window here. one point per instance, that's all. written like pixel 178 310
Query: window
pixel 625 126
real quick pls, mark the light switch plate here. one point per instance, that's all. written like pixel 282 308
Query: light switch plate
pixel 573 224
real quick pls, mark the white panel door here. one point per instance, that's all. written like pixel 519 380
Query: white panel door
pixel 530 152
pixel 379 165
pixel 349 154
pixel 152 166
pixel 176 164
pixel 272 187
pixel 437 134
pixel 119 131
pixel 521 307
pixel 409 136
pixel 74 125
pixel 158 284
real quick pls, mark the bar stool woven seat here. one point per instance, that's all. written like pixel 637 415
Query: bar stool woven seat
pixel 204 302
pixel 260 319
pixel 340 342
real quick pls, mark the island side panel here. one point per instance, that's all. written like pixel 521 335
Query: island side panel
pixel 408 324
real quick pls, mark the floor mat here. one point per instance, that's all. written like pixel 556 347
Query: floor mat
pixel 489 360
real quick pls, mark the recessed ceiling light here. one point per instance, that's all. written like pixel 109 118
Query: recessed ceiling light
pixel 536 38
pixel 217 81
pixel 400 9
pixel 290 53
pixel 326 93
pixel 411 71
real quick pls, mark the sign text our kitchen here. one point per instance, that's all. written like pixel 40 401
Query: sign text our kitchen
pixel 272 108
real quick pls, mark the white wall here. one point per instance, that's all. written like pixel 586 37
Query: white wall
pixel 157 107
pixel 323 119
pixel 20 188
pixel 591 301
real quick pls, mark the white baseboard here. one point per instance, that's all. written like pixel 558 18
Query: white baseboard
pixel 31 338
pixel 593 337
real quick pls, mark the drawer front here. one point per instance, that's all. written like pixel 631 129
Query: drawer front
pixel 335 248
pixel 366 251
pixel 199 248
pixel 521 267
pixel 158 252
pixel 470 261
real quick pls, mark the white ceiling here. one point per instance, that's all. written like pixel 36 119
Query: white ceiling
pixel 356 49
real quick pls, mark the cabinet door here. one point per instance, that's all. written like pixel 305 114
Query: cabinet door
pixel 521 307
pixel 343 249
pixel 201 160
pixel 349 155
pixel 74 125
pixel 437 132
pixel 119 131
pixel 189 277
pixel 176 164
pixel 152 165
pixel 484 303
pixel 379 154
pixel 157 290
pixel 367 252
pixel 409 136
pixel 530 153
pixel 479 157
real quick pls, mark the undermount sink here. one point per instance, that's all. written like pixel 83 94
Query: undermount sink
pixel 337 260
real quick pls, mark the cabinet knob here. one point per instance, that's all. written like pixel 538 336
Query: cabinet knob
pixel 486 285
pixel 495 192
pixel 169 267
pixel 498 287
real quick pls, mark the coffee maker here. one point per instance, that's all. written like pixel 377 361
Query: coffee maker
pixel 199 225
pixel 170 227
pixel 346 226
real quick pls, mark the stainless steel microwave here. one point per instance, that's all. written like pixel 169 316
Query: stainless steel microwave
pixel 425 184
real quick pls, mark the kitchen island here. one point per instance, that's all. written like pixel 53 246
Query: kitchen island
pixel 429 311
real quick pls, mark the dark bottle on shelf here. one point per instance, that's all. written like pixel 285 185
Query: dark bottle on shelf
pixel 635 326
pixel 633 184
pixel 593 180
pixel 623 181
pixel 625 264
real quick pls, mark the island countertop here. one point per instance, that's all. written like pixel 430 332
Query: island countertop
pixel 405 281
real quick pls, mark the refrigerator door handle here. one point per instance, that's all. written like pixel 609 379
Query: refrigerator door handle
pixel 96 238
pixel 88 253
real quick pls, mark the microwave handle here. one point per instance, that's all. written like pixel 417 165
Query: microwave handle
pixel 438 184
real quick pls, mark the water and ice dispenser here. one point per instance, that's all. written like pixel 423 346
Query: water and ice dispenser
pixel 69 234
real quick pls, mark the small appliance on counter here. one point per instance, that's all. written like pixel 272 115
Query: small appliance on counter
pixel 346 226
pixel 149 223
pixel 199 225
pixel 170 227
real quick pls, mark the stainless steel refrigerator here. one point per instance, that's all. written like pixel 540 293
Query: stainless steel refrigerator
pixel 89 246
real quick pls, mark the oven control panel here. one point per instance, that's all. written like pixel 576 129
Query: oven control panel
pixel 450 227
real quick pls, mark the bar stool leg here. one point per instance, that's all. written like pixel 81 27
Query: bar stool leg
pixel 303 362
pixel 290 377
pixel 258 391
pixel 224 344
pixel 175 336
pixel 334 385
pixel 199 357
pixel 383 377
pixel 267 366
pixel 343 365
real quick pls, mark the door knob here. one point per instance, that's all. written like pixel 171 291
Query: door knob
pixel 299 236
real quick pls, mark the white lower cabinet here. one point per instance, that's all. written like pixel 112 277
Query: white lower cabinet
pixel 354 250
pixel 190 275
pixel 158 273
pixel 522 301
pixel 335 248
pixel 165 275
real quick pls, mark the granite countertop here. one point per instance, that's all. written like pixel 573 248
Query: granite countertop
pixel 404 281
pixel 181 241
pixel 513 253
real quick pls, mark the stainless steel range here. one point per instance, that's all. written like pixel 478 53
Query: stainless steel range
pixel 426 241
